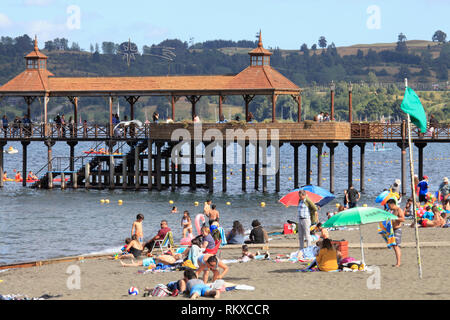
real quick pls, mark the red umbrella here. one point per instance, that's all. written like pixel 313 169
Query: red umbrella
pixel 292 199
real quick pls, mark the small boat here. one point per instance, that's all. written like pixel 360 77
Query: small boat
pixel 11 150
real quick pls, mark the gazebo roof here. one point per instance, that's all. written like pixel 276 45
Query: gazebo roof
pixel 254 79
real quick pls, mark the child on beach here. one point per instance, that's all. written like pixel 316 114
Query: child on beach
pixel 186 223
pixel 133 250
pixel 136 229
pixel 247 255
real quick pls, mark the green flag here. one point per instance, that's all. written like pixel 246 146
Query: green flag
pixel 411 105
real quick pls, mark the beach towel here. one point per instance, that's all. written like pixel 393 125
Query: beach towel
pixel 193 254
pixel 222 236
pixel 387 232
pixel 188 263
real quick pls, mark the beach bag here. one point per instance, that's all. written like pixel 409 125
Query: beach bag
pixel 160 290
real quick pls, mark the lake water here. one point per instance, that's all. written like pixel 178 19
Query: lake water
pixel 41 224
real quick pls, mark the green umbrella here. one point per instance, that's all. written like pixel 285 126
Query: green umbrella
pixel 358 216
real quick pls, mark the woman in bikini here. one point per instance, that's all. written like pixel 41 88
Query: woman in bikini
pixel 186 223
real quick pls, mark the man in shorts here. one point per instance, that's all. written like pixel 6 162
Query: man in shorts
pixel 196 287
pixel 397 226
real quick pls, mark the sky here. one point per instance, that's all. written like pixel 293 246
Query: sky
pixel 286 24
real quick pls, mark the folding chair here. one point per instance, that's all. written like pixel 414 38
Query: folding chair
pixel 165 243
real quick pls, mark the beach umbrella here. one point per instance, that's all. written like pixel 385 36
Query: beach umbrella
pixel 358 216
pixel 316 194
pixel 385 196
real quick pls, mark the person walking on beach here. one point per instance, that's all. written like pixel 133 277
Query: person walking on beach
pixel 213 214
pixel 423 189
pixel 307 211
pixel 352 196
pixel 444 190
pixel 397 226
pixel 137 229
pixel 207 207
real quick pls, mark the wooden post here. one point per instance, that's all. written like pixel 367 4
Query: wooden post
pixel 264 166
pixel 257 165
pixel 166 172
pixel 350 164
pixel 247 99
pixel 362 149
pixel 158 166
pixel 49 144
pixel 193 166
pixel 224 166
pixel 111 133
pixel 274 105
pixel 74 180
pixel 277 168
pixel 87 176
pixel 420 146
pixel 2 145
pixel 63 180
pixel 403 146
pixel 193 100
pixel 46 131
pixel 173 162
pixel 136 168
pixel 332 146
pixel 74 101
pixel 295 146
pixel 299 107
pixel 244 166
pixel 124 172
pixel 150 165
pixel 24 162
pixel 220 106
pixel 308 163
pixel 319 147
pixel 173 107
pixel 209 168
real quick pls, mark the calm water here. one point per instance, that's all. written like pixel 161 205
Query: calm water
pixel 39 224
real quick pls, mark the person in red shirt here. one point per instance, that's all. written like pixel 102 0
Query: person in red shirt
pixel 159 236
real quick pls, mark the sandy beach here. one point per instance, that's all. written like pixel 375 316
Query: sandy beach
pixel 102 278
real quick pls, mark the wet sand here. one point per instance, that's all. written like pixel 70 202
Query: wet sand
pixel 102 278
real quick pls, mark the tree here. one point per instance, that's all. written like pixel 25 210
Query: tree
pixel 314 47
pixel 91 48
pixel 97 48
pixel 439 36
pixel 322 42
pixel 304 47
pixel 75 47
pixel 108 47
pixel 372 78
pixel 401 43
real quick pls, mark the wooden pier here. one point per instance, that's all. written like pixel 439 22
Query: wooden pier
pixel 152 160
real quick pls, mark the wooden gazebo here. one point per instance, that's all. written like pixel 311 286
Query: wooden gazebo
pixel 259 78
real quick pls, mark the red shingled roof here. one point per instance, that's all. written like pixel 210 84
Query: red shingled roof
pixel 34 81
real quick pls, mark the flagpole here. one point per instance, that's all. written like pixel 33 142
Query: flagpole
pixel 411 166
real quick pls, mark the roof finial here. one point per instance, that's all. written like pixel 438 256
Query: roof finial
pixel 260 40
pixel 35 43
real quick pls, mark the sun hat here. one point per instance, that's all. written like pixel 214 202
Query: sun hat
pixel 425 177
pixel 397 181
pixel 445 179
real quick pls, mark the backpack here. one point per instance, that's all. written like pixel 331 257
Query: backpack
pixel 160 290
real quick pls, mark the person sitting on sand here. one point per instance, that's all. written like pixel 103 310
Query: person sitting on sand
pixel 258 234
pixel 207 262
pixel 236 235
pixel 196 287
pixel 178 287
pixel 247 255
pixel 166 259
pixel 327 257
pixel 134 249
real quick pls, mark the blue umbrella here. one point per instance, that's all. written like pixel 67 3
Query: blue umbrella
pixel 325 194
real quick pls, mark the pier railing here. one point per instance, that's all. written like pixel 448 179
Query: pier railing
pixel 303 131
pixel 396 131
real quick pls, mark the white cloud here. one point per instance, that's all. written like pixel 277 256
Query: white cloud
pixel 46 30
pixel 5 22
pixel 40 3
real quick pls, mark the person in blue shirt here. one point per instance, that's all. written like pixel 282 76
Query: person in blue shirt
pixel 423 189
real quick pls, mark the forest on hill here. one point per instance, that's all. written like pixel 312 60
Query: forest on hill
pixel 375 72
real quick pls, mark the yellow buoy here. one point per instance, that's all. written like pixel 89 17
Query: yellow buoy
pixel 196 203
pixel 102 200
pixel 337 205
pixel 119 202
pixel 369 179
pixel 364 205
pixel 214 178
pixel 228 203
pixel 263 204
pixel 171 201
pixel 106 200
pixel 289 178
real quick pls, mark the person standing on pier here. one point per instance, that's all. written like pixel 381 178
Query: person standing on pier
pixel 5 124
pixel 306 213
pixel 352 196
